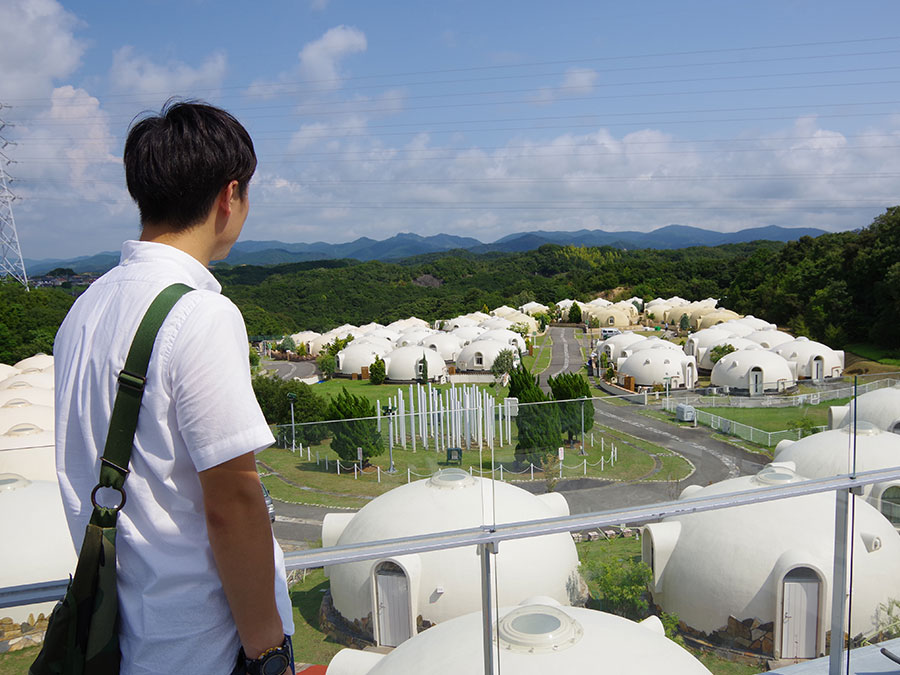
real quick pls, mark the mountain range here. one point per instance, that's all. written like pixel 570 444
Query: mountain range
pixel 407 244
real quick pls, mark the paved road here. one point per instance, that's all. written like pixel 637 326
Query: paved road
pixel 287 370
pixel 565 355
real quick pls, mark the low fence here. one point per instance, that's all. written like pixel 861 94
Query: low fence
pixel 499 471
pixel 828 392
pixel 766 439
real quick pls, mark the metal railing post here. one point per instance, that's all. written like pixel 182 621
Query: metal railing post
pixel 839 581
pixel 487 606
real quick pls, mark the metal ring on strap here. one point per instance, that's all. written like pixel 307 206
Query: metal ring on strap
pixel 115 508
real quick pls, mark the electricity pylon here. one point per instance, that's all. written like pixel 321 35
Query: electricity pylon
pixel 11 262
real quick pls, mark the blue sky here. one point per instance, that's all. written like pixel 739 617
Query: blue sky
pixel 471 118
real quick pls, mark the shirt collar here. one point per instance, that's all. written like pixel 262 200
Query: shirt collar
pixel 150 251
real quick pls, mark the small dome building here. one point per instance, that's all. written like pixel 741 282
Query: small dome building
pixel 356 356
pixel 445 344
pixel 697 343
pixel 614 317
pixel 532 308
pixel 615 345
pixel 407 364
pixel 496 323
pixel 510 338
pixel 814 360
pixel 659 365
pixel 705 362
pixel 388 601
pixel 769 338
pixel 467 334
pixel 717 317
pixel 534 638
pixel 413 336
pixel 753 563
pixel 828 454
pixel 880 408
pixel 480 355
pixel 753 370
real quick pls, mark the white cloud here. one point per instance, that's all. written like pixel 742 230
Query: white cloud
pixel 135 73
pixel 318 65
pixel 320 60
pixel 575 82
pixel 37 47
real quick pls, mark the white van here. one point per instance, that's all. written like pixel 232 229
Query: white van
pixel 608 332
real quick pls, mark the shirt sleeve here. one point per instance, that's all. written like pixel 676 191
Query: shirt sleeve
pixel 216 410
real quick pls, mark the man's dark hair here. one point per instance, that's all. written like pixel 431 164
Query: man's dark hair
pixel 178 161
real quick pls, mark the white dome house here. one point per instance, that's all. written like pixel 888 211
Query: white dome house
pixel 534 638
pixel 615 345
pixel 754 370
pixel 445 344
pixel 29 449
pixel 390 600
pixel 35 363
pixel 769 338
pixel 828 454
pixel 814 360
pixel 880 408
pixel 356 356
pixel 480 355
pixel 705 362
pixel 768 566
pixel 659 365
pixel 510 338
pixel 406 364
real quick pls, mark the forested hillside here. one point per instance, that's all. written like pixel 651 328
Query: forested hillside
pixel 839 288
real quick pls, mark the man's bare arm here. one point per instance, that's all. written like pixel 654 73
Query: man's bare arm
pixel 241 539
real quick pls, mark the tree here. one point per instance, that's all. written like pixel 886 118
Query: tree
pixel 574 415
pixel 358 429
pixel 254 358
pixel 717 352
pixel 326 364
pixel 504 363
pixel 684 323
pixel 538 423
pixel 622 585
pixel 377 372
pixel 287 344
pixel 422 368
pixel 272 395
pixel 575 313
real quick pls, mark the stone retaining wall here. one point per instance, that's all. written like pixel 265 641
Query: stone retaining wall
pixel 15 636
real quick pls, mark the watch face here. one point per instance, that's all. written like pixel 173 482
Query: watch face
pixel 275 664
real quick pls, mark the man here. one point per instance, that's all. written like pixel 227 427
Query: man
pixel 200 576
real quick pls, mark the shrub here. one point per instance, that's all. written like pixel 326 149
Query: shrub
pixel 377 373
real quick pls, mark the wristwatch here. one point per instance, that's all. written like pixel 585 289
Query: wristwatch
pixel 273 661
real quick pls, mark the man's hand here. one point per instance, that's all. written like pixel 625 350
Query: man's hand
pixel 240 536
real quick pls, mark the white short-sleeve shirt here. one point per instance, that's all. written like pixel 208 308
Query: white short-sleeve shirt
pixel 198 411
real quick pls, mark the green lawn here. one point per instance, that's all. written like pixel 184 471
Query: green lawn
pixel 778 419
pixel 304 480
pixel 890 357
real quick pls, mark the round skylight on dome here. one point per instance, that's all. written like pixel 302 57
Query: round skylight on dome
pixel 23 429
pixel 451 478
pixel 16 403
pixel 12 481
pixel 777 474
pixel 863 428
pixel 538 629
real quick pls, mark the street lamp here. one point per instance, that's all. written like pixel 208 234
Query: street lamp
pixel 293 397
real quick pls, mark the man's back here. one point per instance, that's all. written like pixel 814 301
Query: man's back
pixel 198 412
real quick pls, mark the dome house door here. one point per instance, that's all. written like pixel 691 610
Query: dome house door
pixel 392 600
pixel 756 382
pixel 800 614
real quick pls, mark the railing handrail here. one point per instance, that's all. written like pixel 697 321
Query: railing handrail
pixel 494 535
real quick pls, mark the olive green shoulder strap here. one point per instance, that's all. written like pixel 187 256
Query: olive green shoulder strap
pixel 132 378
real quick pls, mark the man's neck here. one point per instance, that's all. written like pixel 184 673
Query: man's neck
pixel 194 241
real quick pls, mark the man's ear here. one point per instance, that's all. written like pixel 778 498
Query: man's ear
pixel 226 197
